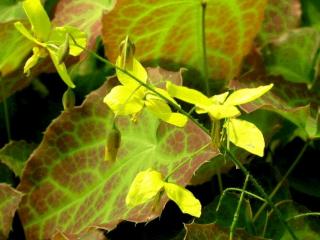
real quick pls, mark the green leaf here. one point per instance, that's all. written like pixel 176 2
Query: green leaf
pixel 246 95
pixel 9 202
pixel 214 231
pixel 311 12
pixel 14 48
pixel 245 135
pixel 184 199
pixel 38 18
pixel 15 154
pixel 280 16
pixel 11 10
pixel 69 185
pixel 294 55
pixel 170 33
pixel 86 16
pixel 145 186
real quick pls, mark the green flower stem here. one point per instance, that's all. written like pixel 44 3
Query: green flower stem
pixel 263 193
pixel 275 190
pixel 6 118
pixel 238 190
pixel 303 215
pixel 236 214
pixel 234 160
pixel 204 46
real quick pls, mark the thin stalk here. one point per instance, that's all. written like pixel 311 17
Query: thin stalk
pixel 239 190
pixel 220 182
pixel 236 214
pixel 204 46
pixel 6 119
pixel 303 215
pixel 263 194
pixel 280 183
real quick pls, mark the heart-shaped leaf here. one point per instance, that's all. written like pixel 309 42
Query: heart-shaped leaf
pixel 9 202
pixel 68 184
pixel 295 55
pixel 172 32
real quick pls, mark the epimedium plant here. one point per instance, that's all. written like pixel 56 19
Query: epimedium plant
pixel 136 142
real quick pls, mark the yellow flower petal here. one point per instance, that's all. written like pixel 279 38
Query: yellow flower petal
pixel 245 135
pixel 184 199
pixel 38 18
pixel 124 100
pixel 188 95
pixel 246 95
pixel 161 109
pixel 61 68
pixel 137 71
pixel 222 111
pixel 146 185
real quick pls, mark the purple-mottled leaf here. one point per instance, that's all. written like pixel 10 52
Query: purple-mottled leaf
pixel 91 234
pixel 70 187
pixel 280 16
pixel 171 33
pixel 83 14
pixel 294 55
pixel 9 202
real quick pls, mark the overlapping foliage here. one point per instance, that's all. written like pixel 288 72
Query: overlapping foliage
pixel 142 124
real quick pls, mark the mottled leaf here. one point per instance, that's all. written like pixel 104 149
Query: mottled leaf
pixel 83 14
pixel 294 55
pixel 70 187
pixel 213 231
pixel 171 32
pixel 14 48
pixel 280 17
pixel 91 234
pixel 9 202
pixel 15 154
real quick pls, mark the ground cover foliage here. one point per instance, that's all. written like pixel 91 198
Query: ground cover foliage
pixel 127 119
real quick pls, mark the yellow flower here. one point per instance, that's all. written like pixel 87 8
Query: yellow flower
pixel 49 40
pixel 131 97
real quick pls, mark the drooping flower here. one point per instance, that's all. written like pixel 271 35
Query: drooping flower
pixel 149 183
pixel 49 40
pixel 224 106
pixel 131 97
